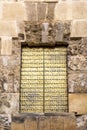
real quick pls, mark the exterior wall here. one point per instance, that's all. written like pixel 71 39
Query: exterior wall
pixel 38 23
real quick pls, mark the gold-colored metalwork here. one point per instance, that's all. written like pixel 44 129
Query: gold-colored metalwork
pixel 43 80
pixel 32 80
pixel 55 80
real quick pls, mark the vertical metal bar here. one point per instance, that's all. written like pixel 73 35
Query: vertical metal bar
pixel 20 79
pixel 67 78
pixel 43 83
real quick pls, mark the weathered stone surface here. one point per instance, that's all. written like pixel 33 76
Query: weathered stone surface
pixel 6 45
pixel 79 28
pixel 82 122
pixel 31 9
pixel 31 123
pixel 10 103
pixel 76 47
pixel 63 11
pixel 66 33
pixel 33 34
pixel 44 123
pixel 77 62
pixel 21 31
pixel 9 79
pixel 50 13
pixel 14 11
pixel 47 33
pixel 47 121
pixel 9 69
pixel 77 82
pixel 41 7
pixel 4 60
pixel 3 81
pixel 59 32
pixel 78 103
pixel 5 121
pixel 21 27
pixel 8 28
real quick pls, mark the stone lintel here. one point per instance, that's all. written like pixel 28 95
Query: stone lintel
pixel 47 44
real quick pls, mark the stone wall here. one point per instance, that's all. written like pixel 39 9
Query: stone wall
pixel 57 121
pixel 43 22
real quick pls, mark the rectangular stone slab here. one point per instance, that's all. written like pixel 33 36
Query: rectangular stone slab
pixel 6 45
pixel 31 123
pixel 63 11
pixel 79 9
pixel 14 11
pixel 69 123
pixel 79 28
pixel 17 126
pixel 8 28
pixel 57 123
pixel 44 123
pixel 78 103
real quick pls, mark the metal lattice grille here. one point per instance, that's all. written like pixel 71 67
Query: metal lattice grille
pixel 43 80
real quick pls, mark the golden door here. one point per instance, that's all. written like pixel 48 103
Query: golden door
pixel 43 80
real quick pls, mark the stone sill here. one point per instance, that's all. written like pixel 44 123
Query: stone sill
pixel 22 116
pixel 44 114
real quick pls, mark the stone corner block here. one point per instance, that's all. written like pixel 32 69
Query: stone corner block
pixel 79 28
pixel 78 103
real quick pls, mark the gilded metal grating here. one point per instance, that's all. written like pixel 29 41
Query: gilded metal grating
pixel 43 80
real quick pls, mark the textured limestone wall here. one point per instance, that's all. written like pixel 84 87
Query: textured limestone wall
pixel 46 22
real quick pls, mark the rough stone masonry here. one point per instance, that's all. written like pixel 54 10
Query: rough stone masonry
pixel 38 22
